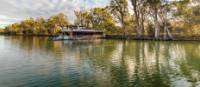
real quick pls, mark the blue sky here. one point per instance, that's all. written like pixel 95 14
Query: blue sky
pixel 12 11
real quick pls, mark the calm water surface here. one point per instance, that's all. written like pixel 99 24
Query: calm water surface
pixel 37 62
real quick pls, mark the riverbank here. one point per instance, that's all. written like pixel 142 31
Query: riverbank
pixel 127 37
pixel 134 37
pixel 45 35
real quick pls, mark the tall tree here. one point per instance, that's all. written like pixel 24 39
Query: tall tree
pixel 155 5
pixel 164 9
pixel 62 20
pixel 79 18
pixel 97 18
pixel 28 26
pixel 83 18
pixel 101 19
pixel 40 27
pixel 57 21
pixel 139 7
pixel 119 8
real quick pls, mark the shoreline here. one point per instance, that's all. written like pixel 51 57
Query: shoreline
pixel 128 37
pixel 133 37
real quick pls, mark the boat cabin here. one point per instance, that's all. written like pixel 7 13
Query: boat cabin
pixel 80 32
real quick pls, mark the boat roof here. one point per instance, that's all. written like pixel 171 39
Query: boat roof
pixel 82 30
pixel 72 26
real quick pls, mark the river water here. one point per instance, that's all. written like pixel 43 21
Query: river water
pixel 38 62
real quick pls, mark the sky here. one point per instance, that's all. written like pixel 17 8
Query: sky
pixel 12 11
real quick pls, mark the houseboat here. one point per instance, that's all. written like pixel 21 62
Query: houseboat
pixel 79 33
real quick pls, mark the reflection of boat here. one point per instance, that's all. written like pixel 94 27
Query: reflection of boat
pixel 79 33
pixel 59 37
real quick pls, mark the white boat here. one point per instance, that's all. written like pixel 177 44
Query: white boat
pixel 79 33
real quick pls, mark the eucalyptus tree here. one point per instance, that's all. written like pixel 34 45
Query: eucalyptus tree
pixel 165 8
pixel 12 28
pixel 2 31
pixel 119 9
pixel 83 18
pixel 97 18
pixel 160 10
pixel 150 9
pixel 28 26
pixel 154 6
pixel 187 11
pixel 139 9
pixel 101 19
pixel 57 21
pixel 79 18
pixel 40 26
pixel 61 20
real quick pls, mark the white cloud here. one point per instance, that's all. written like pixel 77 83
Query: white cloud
pixel 16 10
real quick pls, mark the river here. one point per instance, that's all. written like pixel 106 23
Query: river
pixel 38 62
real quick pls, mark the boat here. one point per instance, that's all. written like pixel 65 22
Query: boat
pixel 78 33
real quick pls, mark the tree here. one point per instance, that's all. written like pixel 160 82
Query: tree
pixel 28 26
pixel 187 12
pixel 119 9
pixel 83 18
pixel 40 26
pixel 101 19
pixel 57 21
pixel 60 20
pixel 165 8
pixel 139 7
pixel 154 6
pixel 79 18
pixel 96 18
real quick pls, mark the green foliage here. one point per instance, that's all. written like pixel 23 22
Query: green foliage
pixel 150 30
pixel 154 2
pixel 38 26
pixel 1 31
pixel 96 18
pixel 83 18
pixel 101 19
pixel 188 18
pixel 119 9
pixel 147 17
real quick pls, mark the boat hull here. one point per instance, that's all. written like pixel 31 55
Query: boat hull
pixel 77 37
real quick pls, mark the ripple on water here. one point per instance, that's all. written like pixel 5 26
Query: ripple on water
pixel 37 62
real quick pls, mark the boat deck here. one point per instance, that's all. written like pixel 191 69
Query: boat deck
pixel 79 34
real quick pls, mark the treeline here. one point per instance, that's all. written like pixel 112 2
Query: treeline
pixel 156 19
pixel 39 26
pixel 1 31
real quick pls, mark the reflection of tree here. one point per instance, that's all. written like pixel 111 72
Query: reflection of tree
pixel 117 63
pixel 38 44
pixel 136 81
pixel 189 64
pixel 159 76
pixel 147 73
pixel 119 73
pixel 153 63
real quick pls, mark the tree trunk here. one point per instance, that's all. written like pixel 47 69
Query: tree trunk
pixel 124 27
pixel 142 22
pixel 157 29
pixel 167 34
pixel 138 28
pixel 139 18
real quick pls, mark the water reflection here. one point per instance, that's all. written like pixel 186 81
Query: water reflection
pixel 35 61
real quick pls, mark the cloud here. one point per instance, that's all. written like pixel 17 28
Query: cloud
pixel 17 10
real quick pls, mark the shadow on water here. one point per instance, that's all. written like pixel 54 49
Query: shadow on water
pixel 101 63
